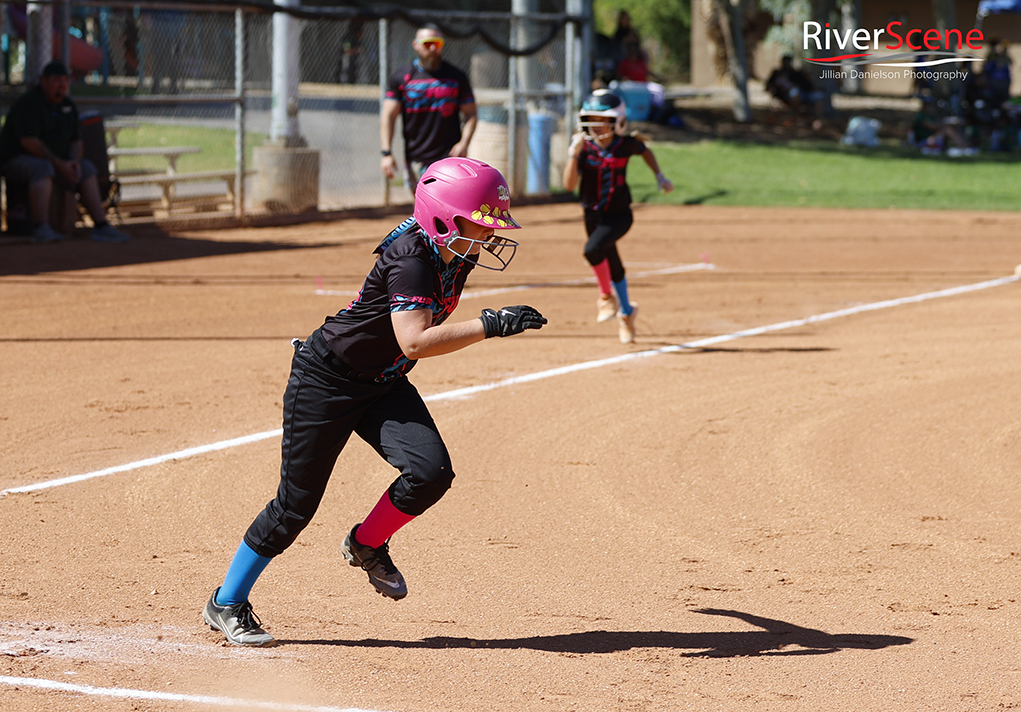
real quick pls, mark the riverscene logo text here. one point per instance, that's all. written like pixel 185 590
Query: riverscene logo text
pixel 862 39
pixel 929 48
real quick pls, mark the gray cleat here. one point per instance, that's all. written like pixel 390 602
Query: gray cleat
pixel 238 622
pixel 383 575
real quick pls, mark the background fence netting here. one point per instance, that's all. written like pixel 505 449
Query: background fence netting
pixel 164 79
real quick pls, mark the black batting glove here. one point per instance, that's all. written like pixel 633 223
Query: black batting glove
pixel 511 320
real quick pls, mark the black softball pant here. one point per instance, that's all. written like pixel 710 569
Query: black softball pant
pixel 604 229
pixel 321 410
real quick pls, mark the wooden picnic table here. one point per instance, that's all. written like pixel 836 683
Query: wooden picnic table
pixel 168 183
pixel 115 127
pixel 171 153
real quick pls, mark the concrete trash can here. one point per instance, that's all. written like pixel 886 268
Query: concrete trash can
pixel 286 179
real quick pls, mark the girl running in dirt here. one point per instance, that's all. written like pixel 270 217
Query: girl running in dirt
pixel 598 154
pixel 350 376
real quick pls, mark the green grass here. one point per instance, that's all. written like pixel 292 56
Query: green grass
pixel 827 175
pixel 217 147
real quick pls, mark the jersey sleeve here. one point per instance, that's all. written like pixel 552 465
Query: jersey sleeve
pixel 464 92
pixel 635 147
pixel 394 87
pixel 409 284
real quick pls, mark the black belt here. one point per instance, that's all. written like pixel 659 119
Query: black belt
pixel 320 348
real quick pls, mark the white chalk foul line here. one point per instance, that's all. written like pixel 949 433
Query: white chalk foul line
pixel 541 375
pixel 120 692
pixel 470 294
pixel 702 343
pixel 179 455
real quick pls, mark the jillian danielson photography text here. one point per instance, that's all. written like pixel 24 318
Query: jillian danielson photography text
pixel 952 75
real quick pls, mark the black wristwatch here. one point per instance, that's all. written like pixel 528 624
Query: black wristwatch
pixel 386 153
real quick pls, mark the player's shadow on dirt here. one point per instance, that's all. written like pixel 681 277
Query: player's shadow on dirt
pixel 699 199
pixel 763 350
pixel 148 244
pixel 775 638
pixel 643 197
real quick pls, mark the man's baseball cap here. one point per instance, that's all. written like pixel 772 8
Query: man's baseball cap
pixel 55 69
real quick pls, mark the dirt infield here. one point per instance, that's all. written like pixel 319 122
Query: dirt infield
pixel 819 517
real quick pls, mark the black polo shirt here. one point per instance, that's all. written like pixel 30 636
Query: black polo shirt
pixel 31 116
pixel 409 274
pixel 430 108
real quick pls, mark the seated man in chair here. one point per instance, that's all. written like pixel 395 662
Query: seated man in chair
pixel 41 143
pixel 794 88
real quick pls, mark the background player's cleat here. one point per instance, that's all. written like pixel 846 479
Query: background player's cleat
pixel 43 233
pixel 383 575
pixel 238 622
pixel 108 233
pixel 626 325
pixel 607 306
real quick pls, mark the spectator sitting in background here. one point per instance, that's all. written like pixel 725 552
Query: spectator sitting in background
pixel 604 62
pixel 980 111
pixel 997 69
pixel 633 67
pixel 40 143
pixel 793 87
pixel 931 132
pixel 625 37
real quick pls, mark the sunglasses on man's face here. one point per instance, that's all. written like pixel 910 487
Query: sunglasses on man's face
pixel 432 44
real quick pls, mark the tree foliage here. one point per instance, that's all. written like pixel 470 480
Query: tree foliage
pixel 665 28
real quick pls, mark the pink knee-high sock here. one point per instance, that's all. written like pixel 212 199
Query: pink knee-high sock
pixel 382 522
pixel 602 271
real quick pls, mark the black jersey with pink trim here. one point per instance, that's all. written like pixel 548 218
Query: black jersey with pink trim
pixel 409 274
pixel 430 108
pixel 603 174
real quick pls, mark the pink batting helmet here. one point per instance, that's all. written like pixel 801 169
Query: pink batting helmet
pixel 465 188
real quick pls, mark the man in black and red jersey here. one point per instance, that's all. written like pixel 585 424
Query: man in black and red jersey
pixel 430 96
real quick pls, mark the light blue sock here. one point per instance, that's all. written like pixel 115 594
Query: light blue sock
pixel 244 571
pixel 621 289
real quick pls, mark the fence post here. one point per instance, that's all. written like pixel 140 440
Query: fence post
pixel 384 73
pixel 283 128
pixel 239 113
pixel 39 40
pixel 587 48
pixel 572 63
pixel 64 22
pixel 512 110
pixel 569 64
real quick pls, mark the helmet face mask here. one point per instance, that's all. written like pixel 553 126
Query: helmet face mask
pixel 596 127
pixel 603 104
pixel 472 191
pixel 494 248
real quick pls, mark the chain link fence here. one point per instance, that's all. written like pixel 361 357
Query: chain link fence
pixel 186 97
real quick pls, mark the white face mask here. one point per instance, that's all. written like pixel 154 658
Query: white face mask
pixel 492 247
pixel 590 127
